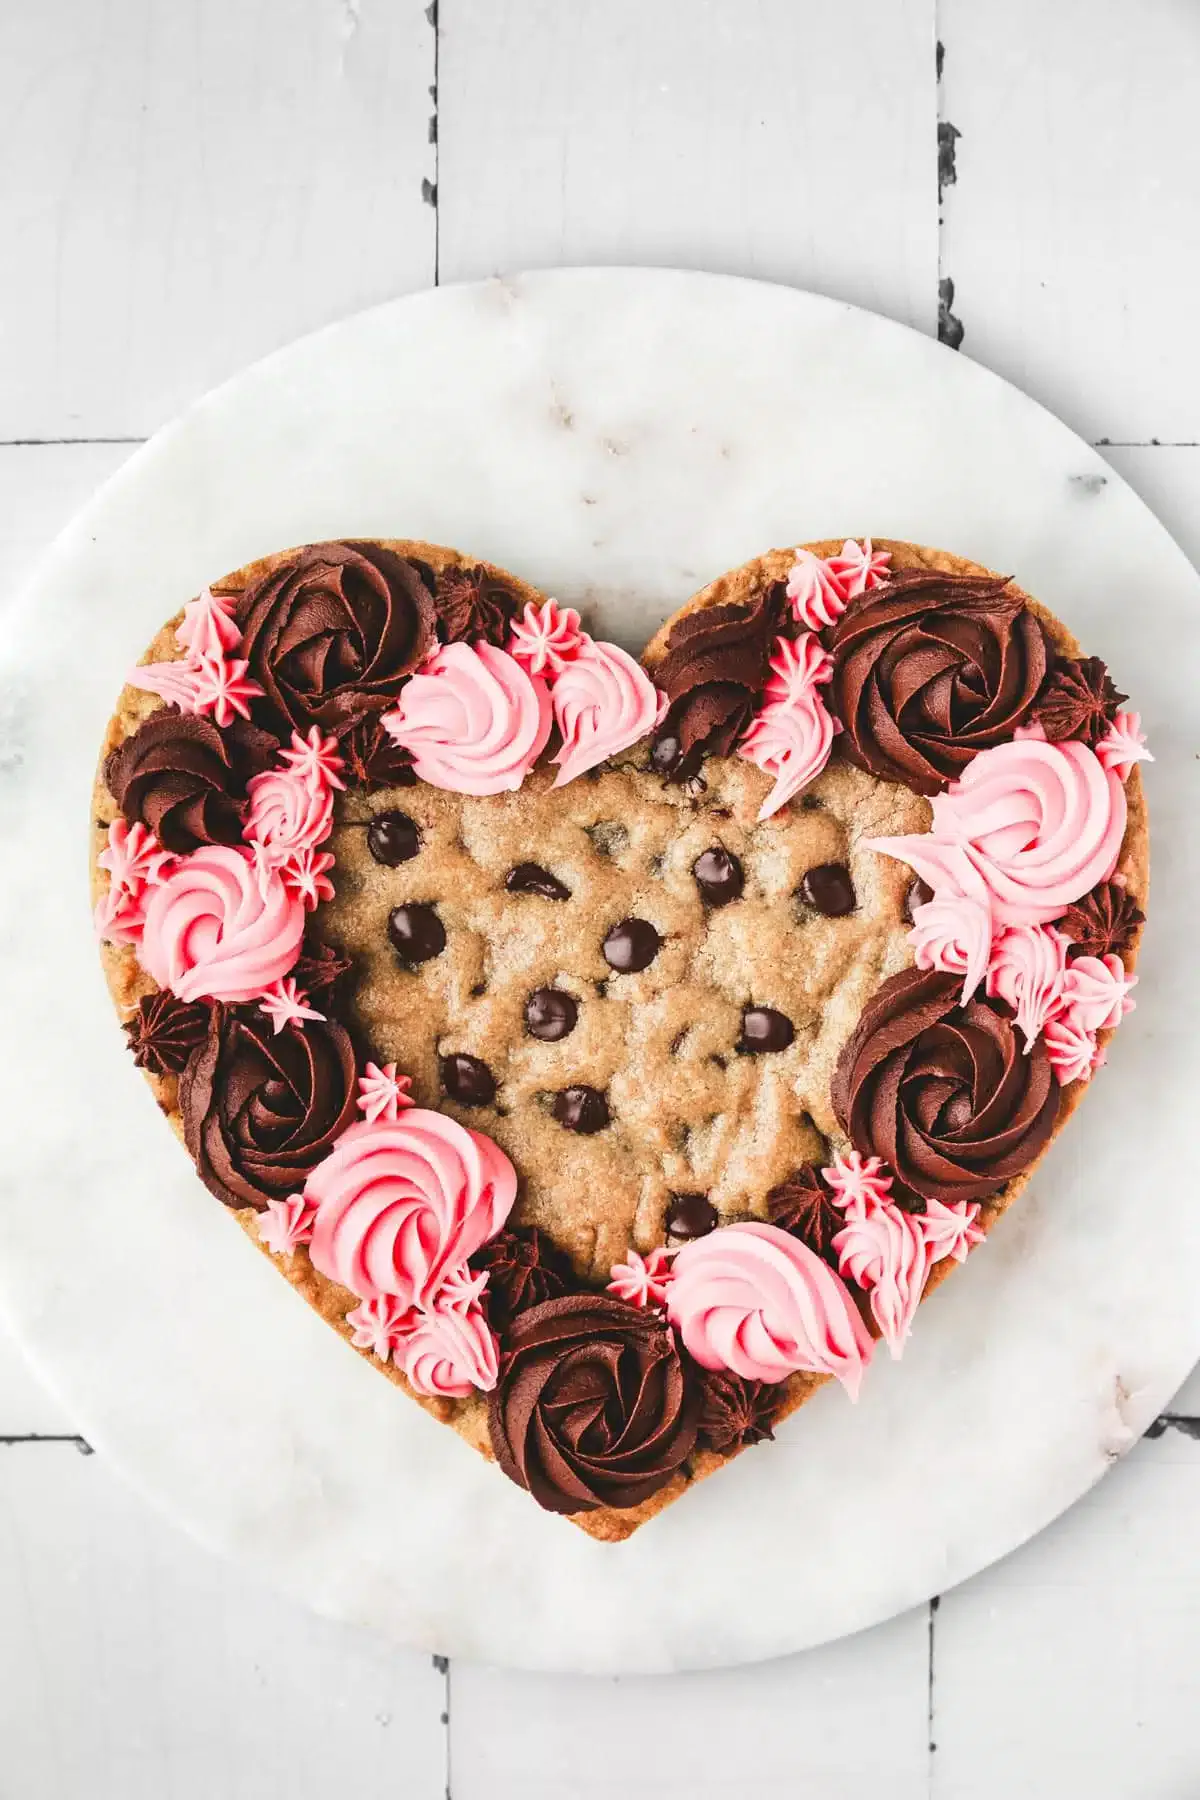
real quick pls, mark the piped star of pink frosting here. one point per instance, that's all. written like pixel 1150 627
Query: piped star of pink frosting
pixel 382 1094
pixel 305 874
pixel 950 1229
pixel 1095 992
pixel 886 1252
pixel 208 626
pixel 642 1280
pixel 603 702
pixel 1123 745
pixel 315 759
pixel 402 1202
pixel 178 683
pixel 218 928
pixel 379 1325
pixel 546 638
pixel 1040 824
pixel 791 735
pixel 135 861
pixel 1072 1050
pixel 755 1300
pixel 473 719
pixel 858 567
pixel 285 1224
pixel 817 595
pixel 224 689
pixel 1027 970
pixel 953 932
pixel 284 1004
pixel 857 1183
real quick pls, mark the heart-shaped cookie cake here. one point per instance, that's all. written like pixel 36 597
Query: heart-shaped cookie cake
pixel 613 1052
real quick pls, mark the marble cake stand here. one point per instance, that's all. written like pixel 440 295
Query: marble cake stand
pixel 618 437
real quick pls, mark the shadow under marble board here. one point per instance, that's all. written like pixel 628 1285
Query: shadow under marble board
pixel 617 438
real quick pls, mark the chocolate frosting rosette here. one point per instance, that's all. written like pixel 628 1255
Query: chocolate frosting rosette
pixel 946 1094
pixel 594 1407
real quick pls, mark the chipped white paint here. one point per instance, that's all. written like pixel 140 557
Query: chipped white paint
pixel 184 187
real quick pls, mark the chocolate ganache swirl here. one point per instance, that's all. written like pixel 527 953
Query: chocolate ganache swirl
pixel 713 673
pixel 332 633
pixel 930 669
pixel 261 1109
pixel 946 1094
pixel 594 1406
pixel 183 779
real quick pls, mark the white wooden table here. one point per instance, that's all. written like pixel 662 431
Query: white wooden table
pixel 185 186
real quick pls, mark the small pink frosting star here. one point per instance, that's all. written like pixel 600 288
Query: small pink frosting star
pixel 133 857
pixel 546 637
pixel 208 627
pixel 224 689
pixel 461 1288
pixel 1072 1051
pixel 382 1094
pixel 815 591
pixel 379 1326
pixel 284 1004
pixel 950 1230
pixel 315 759
pixel 643 1281
pixel 306 873
pixel 858 568
pixel 1124 745
pixel 286 1223
pixel 858 1184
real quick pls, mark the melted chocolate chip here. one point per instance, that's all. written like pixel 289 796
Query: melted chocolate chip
pixel 467 1080
pixel 690 1216
pixel 416 932
pixel 829 889
pixel 764 1029
pixel 919 894
pixel 531 878
pixel 631 945
pixel 392 837
pixel 550 1014
pixel 718 876
pixel 581 1109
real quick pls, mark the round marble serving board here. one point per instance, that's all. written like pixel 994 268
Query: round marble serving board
pixel 618 437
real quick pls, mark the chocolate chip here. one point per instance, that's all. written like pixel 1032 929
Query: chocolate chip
pixel 392 837
pixel 467 1080
pixel 764 1029
pixel 417 933
pixel 550 1014
pixel 531 878
pixel 829 889
pixel 631 945
pixel 718 876
pixel 581 1109
pixel 919 894
pixel 690 1216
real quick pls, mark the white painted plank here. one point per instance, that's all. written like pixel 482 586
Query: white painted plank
pixel 846 1722
pixel 184 187
pixel 1072 234
pixel 134 1667
pixel 1072 1668
pixel 786 139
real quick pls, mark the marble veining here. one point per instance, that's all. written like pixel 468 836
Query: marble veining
pixel 619 437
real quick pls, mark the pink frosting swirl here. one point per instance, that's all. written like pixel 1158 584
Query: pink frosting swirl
pixel 817 594
pixel 1026 970
pixel 886 1251
pixel 1040 823
pixel 287 812
pixel 753 1299
pixel 449 1351
pixel 400 1203
pixel 472 719
pixel 220 928
pixel 603 703
pixel 791 735
pixel 1073 1052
